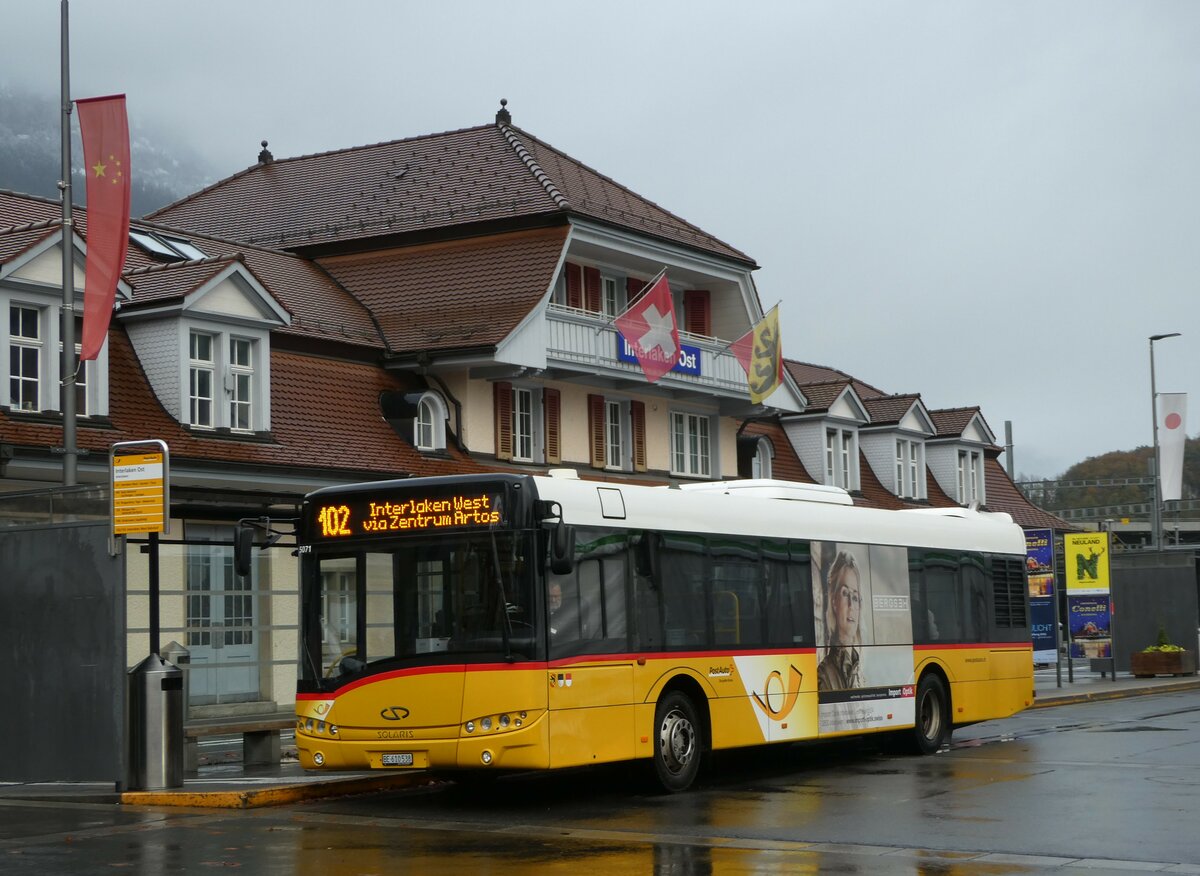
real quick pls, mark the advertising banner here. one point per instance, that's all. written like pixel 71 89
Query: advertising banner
pixel 1043 628
pixel 1086 561
pixel 1090 623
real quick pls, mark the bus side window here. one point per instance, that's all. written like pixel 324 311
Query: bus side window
pixel 976 584
pixel 648 624
pixel 789 600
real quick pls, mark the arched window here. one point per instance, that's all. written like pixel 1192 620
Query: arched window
pixel 760 465
pixel 429 429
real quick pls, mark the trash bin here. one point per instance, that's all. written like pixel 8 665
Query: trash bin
pixel 155 729
pixel 180 656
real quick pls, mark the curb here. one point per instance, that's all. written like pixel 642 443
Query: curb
pixel 1120 693
pixel 276 795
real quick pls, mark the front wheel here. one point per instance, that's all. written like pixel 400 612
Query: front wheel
pixel 933 729
pixel 678 742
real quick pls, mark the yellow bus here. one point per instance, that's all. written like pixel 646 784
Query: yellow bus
pixel 515 622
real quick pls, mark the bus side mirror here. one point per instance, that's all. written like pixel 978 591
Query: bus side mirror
pixel 243 545
pixel 562 549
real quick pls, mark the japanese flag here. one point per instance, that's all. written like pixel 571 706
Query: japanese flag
pixel 1172 433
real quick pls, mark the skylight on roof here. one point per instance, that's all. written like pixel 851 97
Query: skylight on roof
pixel 172 248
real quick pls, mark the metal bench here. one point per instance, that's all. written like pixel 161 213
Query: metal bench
pixel 260 736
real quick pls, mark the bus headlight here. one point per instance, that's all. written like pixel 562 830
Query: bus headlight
pixel 504 721
pixel 486 757
pixel 319 759
pixel 470 726
pixel 486 723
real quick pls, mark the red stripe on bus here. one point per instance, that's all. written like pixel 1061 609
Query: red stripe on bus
pixel 995 646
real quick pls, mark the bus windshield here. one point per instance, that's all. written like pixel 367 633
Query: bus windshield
pixel 467 594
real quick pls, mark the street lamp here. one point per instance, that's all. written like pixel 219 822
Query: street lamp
pixel 1156 510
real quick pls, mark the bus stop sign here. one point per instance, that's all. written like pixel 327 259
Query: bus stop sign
pixel 140 491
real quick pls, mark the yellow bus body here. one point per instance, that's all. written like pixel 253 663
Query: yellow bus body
pixel 586 710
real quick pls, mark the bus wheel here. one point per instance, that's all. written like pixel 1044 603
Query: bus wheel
pixel 933 715
pixel 677 742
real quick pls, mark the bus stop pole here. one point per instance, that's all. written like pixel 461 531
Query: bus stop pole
pixel 154 627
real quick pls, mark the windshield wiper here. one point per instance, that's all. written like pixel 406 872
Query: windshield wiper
pixel 505 626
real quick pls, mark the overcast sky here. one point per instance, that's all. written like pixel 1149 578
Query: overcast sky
pixel 986 203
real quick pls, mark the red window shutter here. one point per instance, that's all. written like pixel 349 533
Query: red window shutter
pixel 633 289
pixel 596 429
pixel 574 285
pixel 637 423
pixel 591 289
pixel 696 312
pixel 551 408
pixel 502 405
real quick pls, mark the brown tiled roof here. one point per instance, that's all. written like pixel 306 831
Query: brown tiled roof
pixel 889 409
pixel 318 305
pixel 308 421
pixel 426 183
pixel 1003 495
pixel 460 294
pixel 952 421
pixel 821 395
pixel 786 465
pixel 173 280
pixel 805 373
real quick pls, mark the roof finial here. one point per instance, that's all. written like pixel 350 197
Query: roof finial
pixel 503 117
pixel 265 157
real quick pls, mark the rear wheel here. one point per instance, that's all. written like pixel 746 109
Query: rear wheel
pixel 932 730
pixel 677 742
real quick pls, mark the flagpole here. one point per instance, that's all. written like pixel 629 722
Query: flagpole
pixel 67 375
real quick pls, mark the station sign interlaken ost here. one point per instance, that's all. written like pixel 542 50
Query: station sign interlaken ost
pixel 138 489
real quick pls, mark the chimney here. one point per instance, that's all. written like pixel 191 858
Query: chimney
pixel 503 117
pixel 265 157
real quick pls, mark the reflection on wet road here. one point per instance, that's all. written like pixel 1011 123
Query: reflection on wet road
pixel 1102 787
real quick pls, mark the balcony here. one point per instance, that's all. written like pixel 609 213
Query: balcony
pixel 585 342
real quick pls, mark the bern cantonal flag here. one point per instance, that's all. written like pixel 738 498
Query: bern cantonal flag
pixel 760 354
pixel 649 326
pixel 105 130
pixel 1172 435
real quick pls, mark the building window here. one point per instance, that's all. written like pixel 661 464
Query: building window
pixel 429 428
pixel 522 424
pixel 690 451
pixel 609 301
pixel 614 428
pixel 760 465
pixel 24 357
pixel 241 380
pixel 908 468
pixel 201 368
pixel 840 457
pixel 970 477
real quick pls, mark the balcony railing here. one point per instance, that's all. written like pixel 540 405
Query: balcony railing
pixel 587 341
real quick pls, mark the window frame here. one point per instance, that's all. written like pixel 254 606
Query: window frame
pixel 525 393
pixel 17 377
pixel 199 367
pixel 429 423
pixel 239 372
pixel 689 446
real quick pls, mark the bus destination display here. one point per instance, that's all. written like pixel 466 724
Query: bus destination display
pixel 358 516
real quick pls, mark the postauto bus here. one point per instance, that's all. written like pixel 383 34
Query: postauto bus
pixel 484 623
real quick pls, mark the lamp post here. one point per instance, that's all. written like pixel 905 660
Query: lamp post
pixel 1156 510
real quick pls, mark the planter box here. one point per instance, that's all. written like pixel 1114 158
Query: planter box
pixel 1145 664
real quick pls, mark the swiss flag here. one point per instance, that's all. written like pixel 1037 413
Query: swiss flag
pixel 648 325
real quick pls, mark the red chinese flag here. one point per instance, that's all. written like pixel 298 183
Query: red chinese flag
pixel 648 326
pixel 105 132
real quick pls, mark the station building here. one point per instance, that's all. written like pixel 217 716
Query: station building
pixel 425 306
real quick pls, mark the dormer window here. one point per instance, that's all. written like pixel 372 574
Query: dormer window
pixel 223 381
pixel 910 465
pixel 760 464
pixel 429 426
pixel 970 477
pixel 166 247
pixel 841 458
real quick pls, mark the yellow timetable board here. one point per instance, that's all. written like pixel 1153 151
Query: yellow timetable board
pixel 138 493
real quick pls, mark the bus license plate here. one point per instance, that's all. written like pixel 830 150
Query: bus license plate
pixel 403 758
